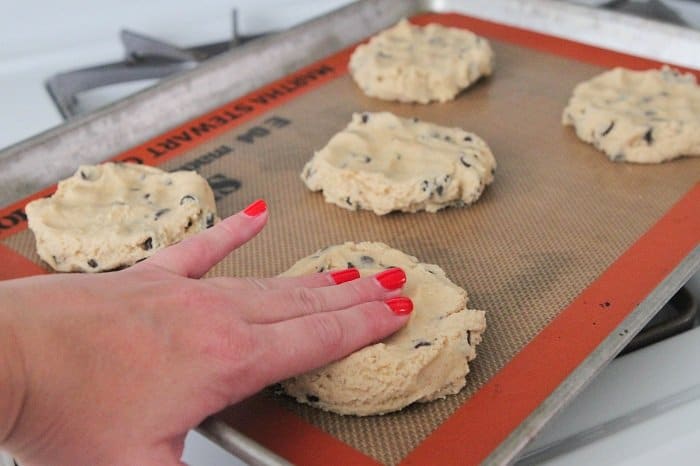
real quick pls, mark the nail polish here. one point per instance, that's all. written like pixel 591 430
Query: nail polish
pixel 401 306
pixel 391 279
pixel 346 275
pixel 256 208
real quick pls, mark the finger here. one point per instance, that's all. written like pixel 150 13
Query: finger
pixel 299 345
pixel 314 280
pixel 194 256
pixel 283 304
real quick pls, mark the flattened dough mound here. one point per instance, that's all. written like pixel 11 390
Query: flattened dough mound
pixel 384 163
pixel 113 215
pixel 420 64
pixel 425 360
pixel 638 116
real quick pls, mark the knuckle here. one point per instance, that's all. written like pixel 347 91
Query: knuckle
pixel 374 319
pixel 258 284
pixel 361 291
pixel 331 334
pixel 194 296
pixel 308 300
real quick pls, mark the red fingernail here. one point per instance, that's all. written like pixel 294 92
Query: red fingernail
pixel 391 279
pixel 401 306
pixel 342 276
pixel 256 208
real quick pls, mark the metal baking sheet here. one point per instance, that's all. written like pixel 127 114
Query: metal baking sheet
pixel 552 251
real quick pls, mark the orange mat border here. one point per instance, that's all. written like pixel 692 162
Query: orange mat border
pixel 484 421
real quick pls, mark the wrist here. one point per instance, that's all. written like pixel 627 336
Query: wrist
pixel 13 379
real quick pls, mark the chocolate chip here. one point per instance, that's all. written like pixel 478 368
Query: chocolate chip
pixel 608 129
pixel 469 337
pixel 187 198
pixel 321 269
pixel 147 195
pixel 210 220
pixel 422 343
pixel 447 138
pixel 160 213
pixel 351 265
pixel 92 263
pixel 148 244
pixel 348 201
pixel 365 118
pixel 366 260
pixel 415 120
pixel 312 398
pixel 464 162
pixel 368 159
pixel 55 260
pixel 424 185
pixel 648 137
pixel 468 138
pixel 189 224
pixel 439 190
pixel 83 175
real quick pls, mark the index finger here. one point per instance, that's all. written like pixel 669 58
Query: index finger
pixel 194 256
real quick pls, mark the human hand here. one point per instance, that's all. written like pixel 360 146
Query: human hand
pixel 115 368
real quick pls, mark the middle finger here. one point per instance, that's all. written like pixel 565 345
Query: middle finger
pixel 282 304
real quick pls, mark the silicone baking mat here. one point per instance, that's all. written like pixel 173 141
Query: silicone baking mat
pixel 558 251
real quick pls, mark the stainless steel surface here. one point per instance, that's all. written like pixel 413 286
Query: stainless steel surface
pixel 242 447
pixel 649 9
pixel 146 58
pixel 32 164
pixel 617 424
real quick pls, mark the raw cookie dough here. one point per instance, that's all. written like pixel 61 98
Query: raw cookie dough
pixel 420 64
pixel 425 360
pixel 638 116
pixel 113 215
pixel 383 163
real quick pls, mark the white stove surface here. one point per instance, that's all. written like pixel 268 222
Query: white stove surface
pixel 641 410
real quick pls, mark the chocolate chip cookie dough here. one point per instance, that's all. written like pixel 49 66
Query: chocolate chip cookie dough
pixel 425 360
pixel 384 163
pixel 420 64
pixel 113 215
pixel 638 116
